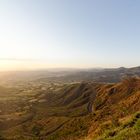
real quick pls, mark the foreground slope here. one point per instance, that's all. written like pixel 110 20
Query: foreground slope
pixel 116 105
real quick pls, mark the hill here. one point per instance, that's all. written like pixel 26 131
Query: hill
pixel 83 110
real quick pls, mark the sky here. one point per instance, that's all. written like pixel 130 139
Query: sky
pixel 40 34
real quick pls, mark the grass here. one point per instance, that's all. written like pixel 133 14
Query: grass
pixel 129 130
pixel 74 128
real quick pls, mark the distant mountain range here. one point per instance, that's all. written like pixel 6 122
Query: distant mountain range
pixel 96 75
pixel 72 75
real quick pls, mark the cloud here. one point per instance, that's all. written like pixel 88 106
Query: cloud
pixel 17 59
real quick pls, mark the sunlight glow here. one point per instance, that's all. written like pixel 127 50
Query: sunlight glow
pixel 44 34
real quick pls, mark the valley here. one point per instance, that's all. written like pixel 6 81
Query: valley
pixel 56 109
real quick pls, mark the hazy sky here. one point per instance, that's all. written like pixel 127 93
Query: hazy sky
pixel 69 33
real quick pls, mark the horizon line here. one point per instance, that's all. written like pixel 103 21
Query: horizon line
pixel 66 68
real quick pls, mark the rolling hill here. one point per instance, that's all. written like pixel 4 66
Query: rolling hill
pixel 82 110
